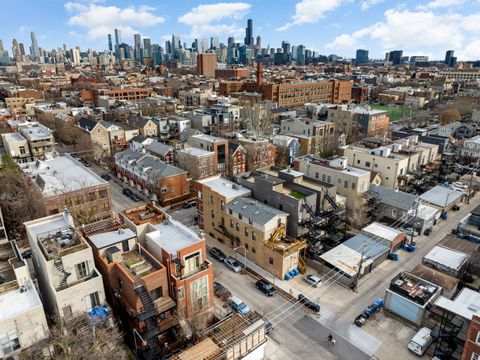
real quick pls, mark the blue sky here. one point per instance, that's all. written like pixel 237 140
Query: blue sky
pixel 428 27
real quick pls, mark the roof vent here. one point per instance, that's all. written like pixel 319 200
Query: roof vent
pixel 120 231
pixel 473 307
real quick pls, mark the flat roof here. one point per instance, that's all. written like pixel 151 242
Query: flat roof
pixel 209 138
pixel 111 237
pixel 60 175
pixel 384 231
pixel 15 136
pixel 35 131
pixel 344 259
pixel 255 210
pixel 16 302
pixel 172 236
pixel 447 257
pixel 441 196
pixel 466 304
pixel 196 152
pixel 224 187
pixel 47 224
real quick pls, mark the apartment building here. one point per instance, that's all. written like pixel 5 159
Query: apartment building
pixel 122 94
pixel 211 143
pixel 237 73
pixel 471 147
pixel 136 285
pixel 40 139
pixel 182 252
pixel 164 152
pixel 18 102
pixel 237 163
pixel 194 98
pixel 68 279
pixel 146 125
pixel 471 349
pixel 314 136
pixel 162 182
pixel 260 152
pixel 64 181
pixel 206 64
pixel 99 136
pixel 23 325
pixel 288 148
pixel 349 181
pixel 389 165
pixel 199 163
pixel 17 147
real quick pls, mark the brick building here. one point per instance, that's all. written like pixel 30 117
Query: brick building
pixel 260 152
pixel 232 73
pixel 123 94
pixel 471 349
pixel 164 183
pixel 211 143
pixel 237 159
pixel 199 163
pixel 206 64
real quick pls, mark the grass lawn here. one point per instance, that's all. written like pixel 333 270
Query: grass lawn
pixel 395 113
pixel 298 195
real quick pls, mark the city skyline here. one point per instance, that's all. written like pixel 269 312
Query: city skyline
pixel 328 27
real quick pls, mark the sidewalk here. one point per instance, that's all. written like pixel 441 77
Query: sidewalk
pixel 362 340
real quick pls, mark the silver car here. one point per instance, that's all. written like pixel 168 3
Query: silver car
pixel 313 280
pixel 232 264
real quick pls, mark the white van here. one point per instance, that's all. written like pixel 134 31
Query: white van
pixel 421 341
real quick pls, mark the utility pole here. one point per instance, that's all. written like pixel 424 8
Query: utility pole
pixel 470 187
pixel 360 263
pixel 417 203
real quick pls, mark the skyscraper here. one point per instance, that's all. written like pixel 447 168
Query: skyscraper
pixel 258 45
pixel 249 33
pixel 206 64
pixel 301 55
pixel 16 50
pixel 361 56
pixel 118 37
pixel 147 48
pixel 110 46
pixel 231 42
pixel 450 60
pixel 214 42
pixel 176 44
pixel 34 50
pixel 395 57
pixel 137 40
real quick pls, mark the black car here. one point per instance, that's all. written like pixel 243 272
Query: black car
pixel 221 291
pixel 268 326
pixel 217 254
pixel 27 254
pixel 361 319
pixel 265 287
pixel 106 177
pixel 309 304
pixel 134 197
pixel 127 192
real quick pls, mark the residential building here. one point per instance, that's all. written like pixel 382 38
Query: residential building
pixel 211 143
pixel 146 125
pixel 23 325
pixel 315 137
pixel 182 252
pixel 237 162
pixel 471 349
pixel 164 152
pixel 287 147
pixel 162 182
pixel 448 261
pixel 68 279
pixel 40 139
pixel 471 147
pixel 99 136
pixel 199 163
pixel 194 98
pixel 64 181
pixel 260 152
pixel 372 122
pixel 123 93
pixel 236 73
pixel 136 285
pixel 17 147
pixel 206 64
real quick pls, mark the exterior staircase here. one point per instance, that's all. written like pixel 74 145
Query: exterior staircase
pixel 59 265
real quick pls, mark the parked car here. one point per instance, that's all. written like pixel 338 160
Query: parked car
pixel 265 287
pixel 268 326
pixel 217 254
pixel 27 254
pixel 409 231
pixel 309 304
pixel 239 306
pixel 106 177
pixel 127 192
pixel 221 291
pixel 134 197
pixel 421 341
pixel 232 264
pixel 361 319
pixel 455 207
pixel 313 280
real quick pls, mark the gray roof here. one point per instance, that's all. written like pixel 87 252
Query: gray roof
pixel 157 167
pixel 374 248
pixel 157 147
pixel 111 238
pixel 399 199
pixel 252 209
pixel 441 196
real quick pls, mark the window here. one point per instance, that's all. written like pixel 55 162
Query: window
pixel 199 290
pixel 237 226
pixel 240 216
pixel 212 213
pixel 82 270
pixel 394 213
pixel 192 262
pixel 230 211
pixel 250 221
pixel 10 342
pixel 103 194
pixel 280 207
pixel 254 235
pixel 353 186
pixel 329 178
pixel 164 189
pixel 199 195
pixel 222 205
pixel 181 292
pixel 323 177
pixel 475 356
pixel 94 299
pixel 231 223
pixel 345 184
pixel 246 246
pixel 246 231
pixel 253 250
pixel 478 337
pixel 367 163
pixel 358 161
pixel 270 261
pixel 92 196
pixel 316 175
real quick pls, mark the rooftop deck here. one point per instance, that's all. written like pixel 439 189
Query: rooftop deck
pixel 143 214
pixel 60 242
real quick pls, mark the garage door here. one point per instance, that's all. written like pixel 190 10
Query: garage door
pixel 403 307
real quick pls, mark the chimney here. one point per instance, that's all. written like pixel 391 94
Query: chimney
pixel 259 76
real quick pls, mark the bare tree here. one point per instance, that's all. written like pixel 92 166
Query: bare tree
pixel 449 116
pixel 282 156
pixel 258 120
pixel 20 200
pixel 79 339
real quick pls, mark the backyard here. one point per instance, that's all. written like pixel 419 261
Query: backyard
pixel 395 113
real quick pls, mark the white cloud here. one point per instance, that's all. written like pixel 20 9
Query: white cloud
pixel 435 4
pixel 100 20
pixel 310 12
pixel 215 19
pixel 24 29
pixel 366 4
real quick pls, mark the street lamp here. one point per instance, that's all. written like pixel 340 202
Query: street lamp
pixel 245 253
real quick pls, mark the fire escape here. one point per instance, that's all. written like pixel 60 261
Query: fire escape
pixel 449 344
pixel 59 265
pixel 328 227
pixel 149 317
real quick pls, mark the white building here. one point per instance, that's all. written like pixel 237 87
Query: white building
pixel 68 280
pixel 22 318
pixel 471 147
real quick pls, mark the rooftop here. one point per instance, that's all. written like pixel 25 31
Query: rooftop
pixel 208 138
pixel 466 304
pixel 441 196
pixel 110 238
pixel 143 214
pixel 252 209
pixel 353 171
pixel 413 287
pixel 224 187
pixel 61 175
pixel 15 136
pixel 172 236
pixel 193 151
pixel 436 277
pixel 19 301
pixel 450 258
pixel 383 231
pixel 35 132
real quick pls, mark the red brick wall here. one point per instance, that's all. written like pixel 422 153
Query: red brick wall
pixel 471 346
